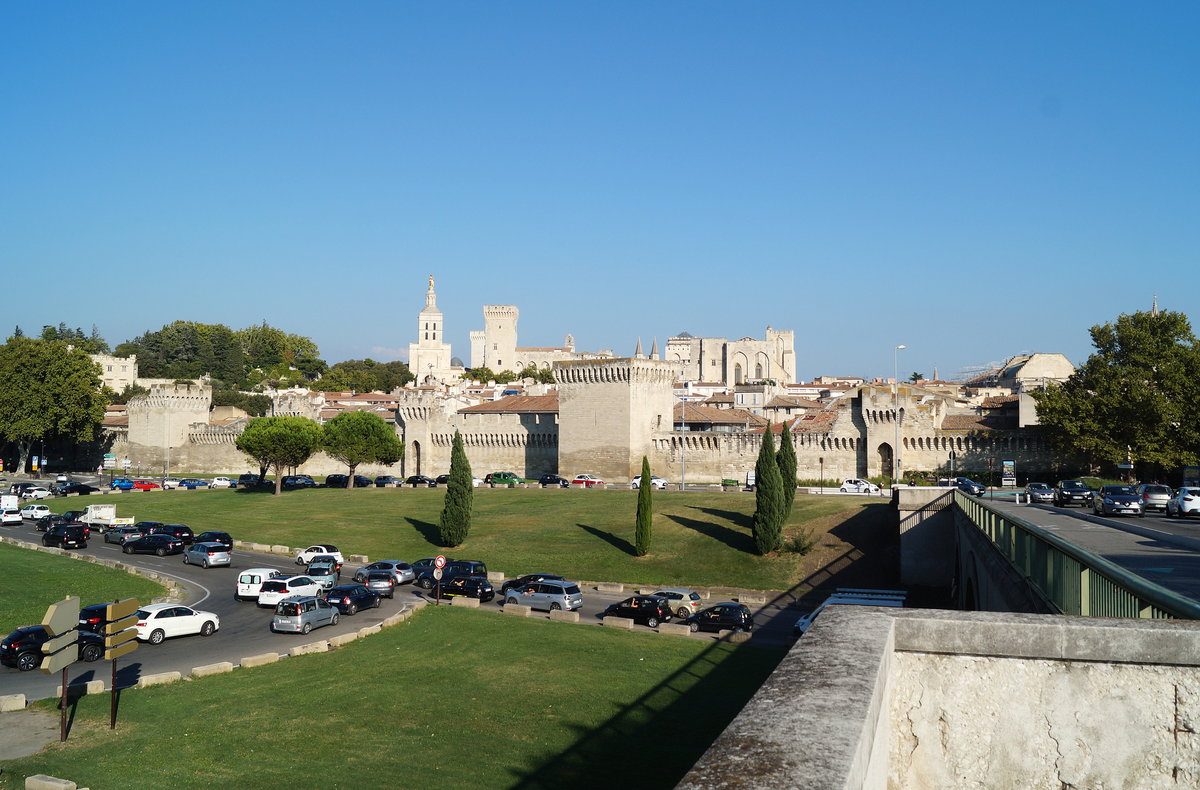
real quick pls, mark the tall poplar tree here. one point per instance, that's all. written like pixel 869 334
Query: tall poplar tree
pixel 455 521
pixel 645 512
pixel 768 500
pixel 786 458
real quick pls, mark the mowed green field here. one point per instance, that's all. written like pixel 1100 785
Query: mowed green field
pixel 700 539
pixel 450 698
pixel 32 580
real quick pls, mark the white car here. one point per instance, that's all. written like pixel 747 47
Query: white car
pixel 159 621
pixel 35 511
pixel 37 492
pixel 587 481
pixel 855 485
pixel 170 482
pixel 1184 504
pixel 250 582
pixel 10 517
pixel 220 482
pixel 655 482
pixel 275 590
pixel 306 555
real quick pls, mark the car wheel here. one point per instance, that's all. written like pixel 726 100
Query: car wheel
pixel 683 612
pixel 28 661
pixel 127 549
pixel 426 583
pixel 652 622
pixel 378 601
pixel 694 626
pixel 335 619
pixel 554 607
pixel 156 636
pixel 204 564
pixel 160 552
pixel 306 628
pixel 208 628
pixel 90 653
pixel 391 594
pixel 512 601
pixel 352 609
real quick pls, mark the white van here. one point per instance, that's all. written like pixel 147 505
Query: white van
pixel 249 582
pixel 853 596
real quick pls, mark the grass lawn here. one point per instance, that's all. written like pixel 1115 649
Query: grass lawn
pixel 32 580
pixel 450 698
pixel 700 539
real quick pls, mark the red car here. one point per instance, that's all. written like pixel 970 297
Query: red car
pixel 588 481
pixel 146 485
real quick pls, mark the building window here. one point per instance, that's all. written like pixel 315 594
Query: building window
pixel 110 368
pixel 426 335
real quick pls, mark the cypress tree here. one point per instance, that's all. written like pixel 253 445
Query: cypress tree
pixel 645 512
pixel 455 521
pixel 786 457
pixel 768 500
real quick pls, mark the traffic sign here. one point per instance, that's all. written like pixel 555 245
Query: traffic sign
pixel 120 650
pixel 439 561
pixel 115 611
pixel 60 621
pixel 61 617
pixel 120 635
pixel 437 574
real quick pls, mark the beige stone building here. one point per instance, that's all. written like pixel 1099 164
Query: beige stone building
pixel 495 346
pixel 734 362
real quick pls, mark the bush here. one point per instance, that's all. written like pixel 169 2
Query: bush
pixel 801 543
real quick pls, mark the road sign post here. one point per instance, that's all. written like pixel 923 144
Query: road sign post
pixel 120 637
pixel 61 650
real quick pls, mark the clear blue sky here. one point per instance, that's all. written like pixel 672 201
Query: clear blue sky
pixel 970 179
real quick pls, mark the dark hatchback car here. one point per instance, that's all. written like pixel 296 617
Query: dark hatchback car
pixel 453 568
pixel 387 480
pixel 46 522
pixel 1072 492
pixel 546 481
pixel 180 531
pixel 650 610
pixel 723 617
pixel 224 538
pixel 528 578
pixel 469 587
pixel 82 489
pixel 23 648
pixel 66 536
pixel 296 482
pixel 420 480
pixel 349 598
pixel 381 582
pixel 340 481
pixel 92 618
pixel 159 544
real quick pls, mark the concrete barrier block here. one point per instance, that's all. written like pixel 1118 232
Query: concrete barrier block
pixel 736 637
pixel 470 603
pixel 87 687
pixel 260 660
pixel 363 558
pixel 219 668
pixel 564 616
pixel 240 544
pixel 368 630
pixel 610 587
pixel 420 603
pixel 495 577
pixel 158 679
pixel 10 702
pixel 751 598
pixel 258 547
pixel 518 610
pixel 674 629
pixel 277 549
pixel 311 647
pixel 342 639
pixel 43 782
pixel 395 619
pixel 704 594
pixel 618 622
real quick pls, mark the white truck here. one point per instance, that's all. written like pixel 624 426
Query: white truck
pixel 101 517
pixel 10 502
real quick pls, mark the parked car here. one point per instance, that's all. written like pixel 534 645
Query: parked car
pixel 1039 492
pixel 387 480
pixel 528 578
pixel 380 583
pixel 549 481
pixel 326 573
pixel 327 559
pixel 302 613
pixel 146 485
pixel 425 580
pixel 81 489
pixel 169 483
pixel 442 480
pixel 1185 502
pixel 1116 500
pixel 11 517
pixel 723 617
pixel 35 512
pixel 587 481
pixel 212 536
pixel 649 610
pixel 162 545
pixel 192 483
pixel 65 536
pixel 37 492
pixel 419 481
pixel 1154 496
pixel 222 482
pixel 275 590
pixel 402 572
pixel 180 531
pixel 121 533
pixel 856 485
pixel 349 598
pixel 207 555
pixel 341 481
pixel 969 486
pixel 159 621
pixel 294 482
pixel 22 648
pixel 684 603
pixel 120 484
pixel 501 478
pixel 551 595
pixel 250 480
pixel 656 482
pixel 306 556
pixel 469 587
pixel 1072 492
pixel 46 522
pixel 92 618
pixel 250 581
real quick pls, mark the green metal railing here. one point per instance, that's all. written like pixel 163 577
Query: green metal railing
pixel 1070 579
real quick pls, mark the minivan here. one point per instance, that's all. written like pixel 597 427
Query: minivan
pixel 249 582
pixel 302 613
pixel 206 555
pixel 551 595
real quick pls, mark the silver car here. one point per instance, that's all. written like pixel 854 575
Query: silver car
pixel 206 555
pixel 323 572
pixel 1040 492
pixel 302 613
pixel 122 533
pixel 1154 496
pixel 551 595
pixel 402 572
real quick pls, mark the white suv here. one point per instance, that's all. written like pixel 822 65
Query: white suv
pixel 855 485
pixel 305 556
pixel 250 582
pixel 655 482
pixel 275 590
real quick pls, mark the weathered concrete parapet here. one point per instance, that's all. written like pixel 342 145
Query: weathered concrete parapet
pixel 369 630
pixel 43 782
pixel 11 702
pixel 459 600
pixel 675 629
pixel 362 558
pixel 260 660
pixel 563 616
pixel 159 679
pixel 87 687
pixel 618 622
pixel 926 535
pixel 496 577
pixel 343 639
pixel 311 647
pixel 277 549
pixel 610 587
pixel 218 668
pixel 517 610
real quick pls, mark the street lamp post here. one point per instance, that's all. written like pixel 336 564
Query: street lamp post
pixel 896 410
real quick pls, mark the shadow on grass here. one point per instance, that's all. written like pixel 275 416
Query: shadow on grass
pixel 739 541
pixel 428 531
pixel 629 750
pixel 613 540
pixel 745 520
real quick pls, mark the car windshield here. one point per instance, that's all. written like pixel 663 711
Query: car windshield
pixel 1072 484
pixel 1038 486
pixel 1119 490
pixel 320 571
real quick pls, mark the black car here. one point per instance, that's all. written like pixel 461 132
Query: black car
pixel 224 538
pixel 72 516
pixel 65 536
pixel 442 480
pixel 528 578
pixel 1072 492
pixel 420 480
pixel 723 617
pixel 92 618
pixel 336 481
pixel 46 522
pixel 387 480
pixel 649 610
pixel 182 532
pixel 469 587
pixel 349 598
pixel 553 480
pixel 159 544
pixel 83 489
pixel 453 569
pixel 294 482
pixel 23 648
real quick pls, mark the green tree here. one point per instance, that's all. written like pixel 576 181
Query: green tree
pixel 542 375
pixel 915 377
pixel 1138 394
pixel 643 523
pixel 361 437
pixel 46 392
pixel 786 459
pixel 768 501
pixel 265 346
pixel 280 443
pixel 91 344
pixel 254 405
pixel 455 521
pixel 482 375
